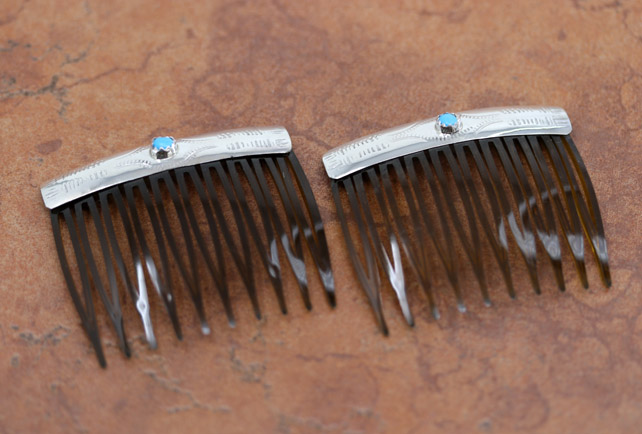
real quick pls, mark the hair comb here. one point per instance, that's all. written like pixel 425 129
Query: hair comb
pixel 125 235
pixel 467 181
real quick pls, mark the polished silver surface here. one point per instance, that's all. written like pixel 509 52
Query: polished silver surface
pixel 140 162
pixel 473 125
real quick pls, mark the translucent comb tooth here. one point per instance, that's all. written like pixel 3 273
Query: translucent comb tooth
pixel 111 301
pixel 136 241
pixel 243 261
pixel 84 305
pixel 525 239
pixel 569 222
pixel 497 240
pixel 417 251
pixel 544 224
pixel 444 248
pixel 188 269
pixel 314 234
pixel 163 237
pixel 393 269
pixel 368 276
pixel 216 270
pixel 472 246
pixel 589 212
pixel 293 250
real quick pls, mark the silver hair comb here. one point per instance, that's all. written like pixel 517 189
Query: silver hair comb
pixel 240 175
pixel 410 188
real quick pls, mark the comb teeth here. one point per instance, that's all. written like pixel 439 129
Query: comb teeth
pixel 532 191
pixel 168 255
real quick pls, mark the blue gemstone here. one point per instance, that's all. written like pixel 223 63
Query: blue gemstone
pixel 447 120
pixel 162 143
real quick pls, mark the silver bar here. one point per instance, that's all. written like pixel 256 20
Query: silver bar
pixel 141 162
pixel 418 136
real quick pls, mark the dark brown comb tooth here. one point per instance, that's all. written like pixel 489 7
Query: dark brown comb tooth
pixel 497 239
pixel 244 263
pixel 368 277
pixel 472 246
pixel 112 304
pixel 189 274
pixel 85 308
pixel 136 239
pixel 525 238
pixel 416 252
pixel 589 212
pixel 545 225
pixel 267 210
pixel 314 234
pixel 392 269
pixel 216 271
pixel 163 282
pixel 569 222
pixel 292 245
pixel 444 249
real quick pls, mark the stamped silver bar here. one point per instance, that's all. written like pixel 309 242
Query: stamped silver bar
pixel 169 154
pixel 445 129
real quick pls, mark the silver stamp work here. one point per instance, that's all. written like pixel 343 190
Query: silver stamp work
pixel 141 162
pixel 472 125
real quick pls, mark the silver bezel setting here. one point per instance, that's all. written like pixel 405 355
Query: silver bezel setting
pixel 163 154
pixel 448 129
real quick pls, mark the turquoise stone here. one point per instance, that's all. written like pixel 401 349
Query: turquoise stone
pixel 447 120
pixel 162 143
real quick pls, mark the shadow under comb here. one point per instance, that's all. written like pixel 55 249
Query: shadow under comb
pixel 482 180
pixel 172 215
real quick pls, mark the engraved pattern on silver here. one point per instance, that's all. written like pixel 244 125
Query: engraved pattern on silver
pixel 139 162
pixel 414 137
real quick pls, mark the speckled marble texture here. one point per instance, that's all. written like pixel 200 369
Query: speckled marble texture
pixel 84 80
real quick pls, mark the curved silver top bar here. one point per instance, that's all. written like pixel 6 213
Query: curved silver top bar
pixel 471 125
pixel 143 162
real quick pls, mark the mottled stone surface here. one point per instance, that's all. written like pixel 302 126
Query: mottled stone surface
pixel 85 80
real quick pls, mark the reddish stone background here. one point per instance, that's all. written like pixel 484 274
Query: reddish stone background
pixel 84 80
